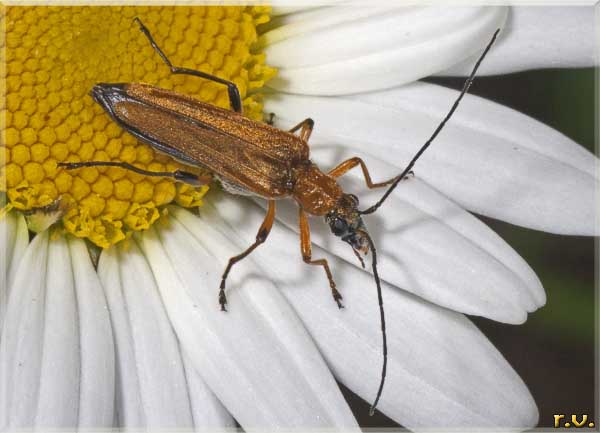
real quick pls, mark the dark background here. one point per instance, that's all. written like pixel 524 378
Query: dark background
pixel 554 350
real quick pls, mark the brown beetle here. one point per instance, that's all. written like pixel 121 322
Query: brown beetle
pixel 250 158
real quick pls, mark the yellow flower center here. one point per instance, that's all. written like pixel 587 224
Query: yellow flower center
pixel 53 57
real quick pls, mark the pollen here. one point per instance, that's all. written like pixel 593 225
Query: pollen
pixel 50 59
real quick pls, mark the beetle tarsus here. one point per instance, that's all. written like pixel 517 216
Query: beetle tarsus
pixel 337 297
pixel 305 127
pixel 269 119
pixel 232 90
pixel 261 236
pixel 222 297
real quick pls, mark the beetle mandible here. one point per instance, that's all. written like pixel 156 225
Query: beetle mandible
pixel 251 158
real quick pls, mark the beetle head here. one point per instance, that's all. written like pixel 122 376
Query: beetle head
pixel 345 222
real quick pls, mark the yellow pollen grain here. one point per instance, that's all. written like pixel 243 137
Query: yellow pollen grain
pixel 54 55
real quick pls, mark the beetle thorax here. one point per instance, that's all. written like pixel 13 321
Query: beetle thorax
pixel 316 192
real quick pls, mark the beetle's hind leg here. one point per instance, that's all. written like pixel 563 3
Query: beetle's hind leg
pixel 261 236
pixel 234 94
pixel 178 175
pixel 305 246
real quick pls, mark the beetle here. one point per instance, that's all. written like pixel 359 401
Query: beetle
pixel 251 158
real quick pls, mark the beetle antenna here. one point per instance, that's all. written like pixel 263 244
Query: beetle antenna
pixel 464 90
pixel 382 316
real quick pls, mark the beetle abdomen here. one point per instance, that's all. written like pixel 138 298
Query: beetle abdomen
pixel 233 188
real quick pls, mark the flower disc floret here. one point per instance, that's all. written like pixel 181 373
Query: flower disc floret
pixel 54 55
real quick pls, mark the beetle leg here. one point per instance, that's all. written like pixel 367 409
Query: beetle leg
pixel 269 119
pixel 349 164
pixel 305 247
pixel 261 236
pixel 307 126
pixel 178 175
pixel 234 94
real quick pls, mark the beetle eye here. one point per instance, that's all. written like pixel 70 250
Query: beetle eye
pixel 339 227
pixel 354 199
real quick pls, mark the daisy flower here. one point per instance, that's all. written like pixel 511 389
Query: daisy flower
pixel 110 315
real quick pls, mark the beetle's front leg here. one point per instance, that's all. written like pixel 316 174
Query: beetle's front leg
pixel 349 164
pixel 261 236
pixel 305 246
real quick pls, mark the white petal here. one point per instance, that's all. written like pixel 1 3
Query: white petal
pixel 127 393
pixel 432 248
pixel 46 371
pixel 488 158
pixel 151 368
pixel 283 10
pixel 539 37
pixel 22 337
pixel 442 371
pixel 207 410
pixel 97 353
pixel 151 379
pixel 288 11
pixel 307 23
pixel 257 358
pixel 58 375
pixel 13 241
pixel 390 49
